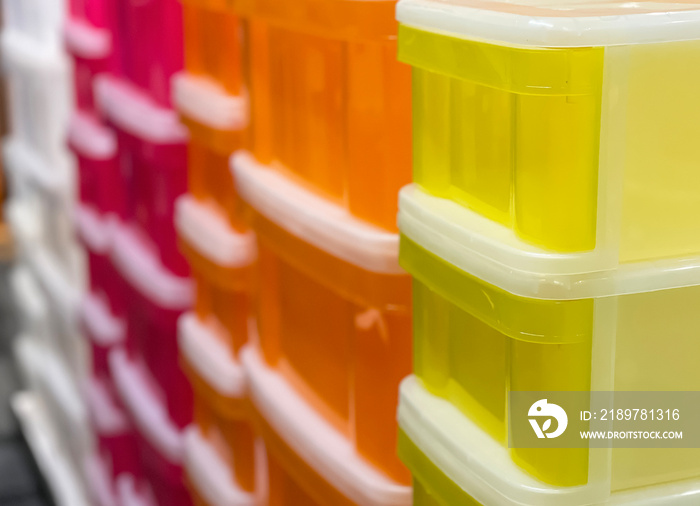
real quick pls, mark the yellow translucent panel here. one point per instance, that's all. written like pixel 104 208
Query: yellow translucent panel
pixel 431 487
pixel 511 133
pixel 539 71
pixel 661 201
pixel 522 318
pixel 556 170
pixel 474 343
pixel 563 367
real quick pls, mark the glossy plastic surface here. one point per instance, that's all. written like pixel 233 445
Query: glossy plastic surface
pixel 431 487
pixel 567 146
pixel 339 334
pixel 84 71
pixel 152 324
pixel 117 448
pixel 330 104
pixel 210 179
pixel 165 478
pixel 475 342
pixel 150 35
pixel 38 93
pixel 98 13
pixel 157 175
pixel 213 40
pixel 152 336
pixel 233 438
pixel 99 181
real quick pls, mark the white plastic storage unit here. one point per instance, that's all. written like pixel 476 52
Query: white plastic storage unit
pixel 49 277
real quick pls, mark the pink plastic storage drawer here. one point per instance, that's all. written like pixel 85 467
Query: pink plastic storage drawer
pixel 151 43
pixel 159 439
pixel 166 480
pixel 92 52
pixel 103 330
pixel 156 299
pixel 95 233
pixel 152 163
pixel 98 13
pixel 95 148
pixel 115 434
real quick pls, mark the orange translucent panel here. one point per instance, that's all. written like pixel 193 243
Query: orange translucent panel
pixel 332 107
pixel 378 130
pixel 291 481
pixel 232 438
pixel 213 37
pixel 341 336
pixel 210 181
pixel 222 299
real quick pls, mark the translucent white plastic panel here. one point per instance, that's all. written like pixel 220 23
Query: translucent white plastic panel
pixel 656 349
pixel 661 189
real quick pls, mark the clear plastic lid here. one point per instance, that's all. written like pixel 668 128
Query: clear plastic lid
pixel 62 478
pixel 87 41
pixel 63 294
pixel 211 359
pixel 142 268
pixel 483 468
pixel 105 328
pixel 571 23
pixel 91 138
pixel 23 162
pixel 133 492
pixel 99 481
pixel 108 418
pixel 149 413
pixel 208 103
pixel 313 218
pixel 323 448
pixel 492 252
pixel 210 475
pixel 95 230
pixel 59 383
pixel 23 52
pixel 135 112
pixel 210 234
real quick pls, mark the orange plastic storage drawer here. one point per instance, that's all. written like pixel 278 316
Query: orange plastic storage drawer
pixel 334 322
pixel 330 104
pixel 213 36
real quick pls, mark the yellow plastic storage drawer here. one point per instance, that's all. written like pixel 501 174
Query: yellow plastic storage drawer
pixel 452 464
pixel 493 315
pixel 574 126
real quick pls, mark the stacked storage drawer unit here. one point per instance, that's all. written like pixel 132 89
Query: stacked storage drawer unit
pixel 132 156
pixel 551 237
pixel 48 278
pixel 223 457
pixel 327 149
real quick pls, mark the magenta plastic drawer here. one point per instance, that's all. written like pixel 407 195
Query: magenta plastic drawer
pixel 150 35
pixel 155 300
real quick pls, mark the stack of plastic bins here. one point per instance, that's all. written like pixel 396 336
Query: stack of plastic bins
pixel 150 52
pixel 41 176
pixel 152 279
pixel 91 38
pixel 333 343
pixel 552 241
pixel 330 147
pixel 220 449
